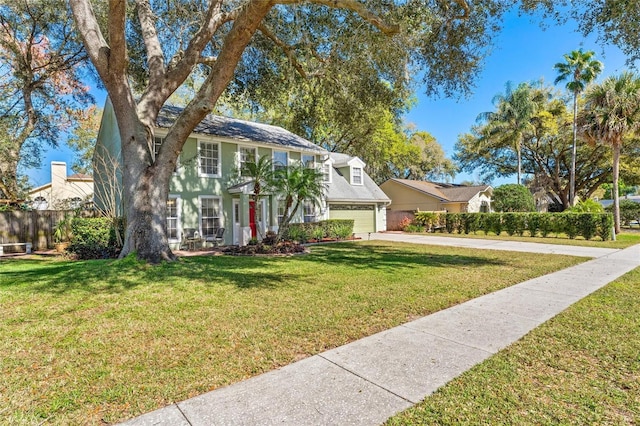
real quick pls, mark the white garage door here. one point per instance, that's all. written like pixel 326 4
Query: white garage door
pixel 364 218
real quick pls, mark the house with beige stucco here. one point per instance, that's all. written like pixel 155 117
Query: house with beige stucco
pixel 413 195
pixel 64 192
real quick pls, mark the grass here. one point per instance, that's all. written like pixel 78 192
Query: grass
pixel 582 367
pixel 623 240
pixel 103 341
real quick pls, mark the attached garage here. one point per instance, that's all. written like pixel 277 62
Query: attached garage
pixel 364 216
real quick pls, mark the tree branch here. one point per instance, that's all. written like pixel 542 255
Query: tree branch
pixel 94 41
pixel 288 50
pixel 358 8
pixel 155 57
pixel 117 38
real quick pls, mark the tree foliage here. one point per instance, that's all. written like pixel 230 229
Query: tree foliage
pixel 242 45
pixel 82 139
pixel 611 114
pixel 579 69
pixel 545 148
pixel 513 198
pixel 41 65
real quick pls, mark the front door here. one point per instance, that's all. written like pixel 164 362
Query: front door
pixel 252 219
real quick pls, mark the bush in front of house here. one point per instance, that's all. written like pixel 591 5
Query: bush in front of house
pixel 332 228
pixel 93 238
pixel 587 225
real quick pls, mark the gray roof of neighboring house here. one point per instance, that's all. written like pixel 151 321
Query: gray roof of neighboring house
pixel 340 190
pixel 444 191
pixel 241 130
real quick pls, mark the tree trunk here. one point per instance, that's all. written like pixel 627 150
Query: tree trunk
pixel 574 152
pixel 616 198
pixel 145 189
pixel 519 152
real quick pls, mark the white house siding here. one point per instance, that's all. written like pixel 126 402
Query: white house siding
pixel 476 202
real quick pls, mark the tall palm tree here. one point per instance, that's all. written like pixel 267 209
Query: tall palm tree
pixel 579 69
pixel 511 120
pixel 611 114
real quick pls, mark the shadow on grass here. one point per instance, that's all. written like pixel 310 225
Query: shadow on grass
pixel 394 256
pixel 110 276
pixel 115 276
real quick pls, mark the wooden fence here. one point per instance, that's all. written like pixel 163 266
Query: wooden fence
pixel 35 227
pixel 395 217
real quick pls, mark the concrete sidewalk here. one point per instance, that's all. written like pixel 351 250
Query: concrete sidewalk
pixel 370 380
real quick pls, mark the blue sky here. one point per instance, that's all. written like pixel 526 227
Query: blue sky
pixel 523 52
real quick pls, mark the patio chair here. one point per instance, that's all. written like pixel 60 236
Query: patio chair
pixel 190 238
pixel 216 239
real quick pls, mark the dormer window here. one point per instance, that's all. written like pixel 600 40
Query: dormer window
pixel 356 176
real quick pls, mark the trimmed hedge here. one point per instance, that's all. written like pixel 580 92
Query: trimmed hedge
pixel 93 238
pixel 333 228
pixel 586 225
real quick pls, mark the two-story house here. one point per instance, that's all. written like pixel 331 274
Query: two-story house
pixel 208 191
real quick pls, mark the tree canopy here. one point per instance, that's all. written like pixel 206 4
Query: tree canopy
pixel 153 48
pixel 41 66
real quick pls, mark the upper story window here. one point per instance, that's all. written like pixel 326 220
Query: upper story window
pixel 157 143
pixel 308 161
pixel 245 155
pixel 209 159
pixel 356 176
pixel 280 159
pixel 326 172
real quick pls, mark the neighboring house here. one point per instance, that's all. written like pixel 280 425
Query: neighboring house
pixel 207 190
pixel 352 194
pixel 412 195
pixel 63 192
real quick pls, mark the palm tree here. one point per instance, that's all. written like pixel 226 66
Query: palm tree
pixel 296 184
pixel 579 69
pixel 511 120
pixel 611 114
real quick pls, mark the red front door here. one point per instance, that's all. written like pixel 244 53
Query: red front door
pixel 252 219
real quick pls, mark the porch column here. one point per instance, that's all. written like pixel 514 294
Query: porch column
pixel 273 213
pixel 245 228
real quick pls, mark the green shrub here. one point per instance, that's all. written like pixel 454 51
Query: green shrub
pixel 493 223
pixel 513 198
pixel 333 226
pixel 587 225
pixel 605 226
pixel 427 219
pixel 414 228
pixel 587 206
pixel 629 211
pixel 93 238
pixel 451 222
pixel 297 232
pixel 533 223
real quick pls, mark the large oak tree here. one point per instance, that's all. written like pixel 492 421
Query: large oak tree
pixel 154 47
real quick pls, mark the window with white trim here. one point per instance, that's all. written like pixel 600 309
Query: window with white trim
pixel 309 209
pixel 356 176
pixel 209 159
pixel 40 203
pixel 245 155
pixel 157 143
pixel 280 211
pixel 210 215
pixel 280 160
pixel 308 161
pixel 173 218
pixel 326 172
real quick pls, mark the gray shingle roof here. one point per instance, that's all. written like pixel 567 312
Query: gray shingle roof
pixel 240 130
pixel 340 190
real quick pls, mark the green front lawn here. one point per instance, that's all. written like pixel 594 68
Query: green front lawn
pixel 86 342
pixel 580 368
